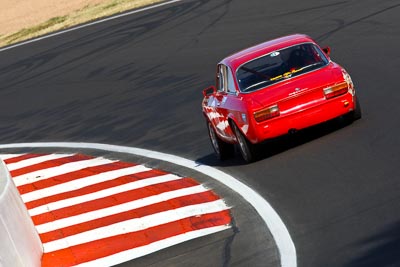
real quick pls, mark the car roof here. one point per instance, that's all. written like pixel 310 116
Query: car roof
pixel 237 59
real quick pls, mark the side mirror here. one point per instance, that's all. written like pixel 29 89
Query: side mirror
pixel 209 91
pixel 327 50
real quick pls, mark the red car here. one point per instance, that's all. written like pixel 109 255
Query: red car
pixel 272 89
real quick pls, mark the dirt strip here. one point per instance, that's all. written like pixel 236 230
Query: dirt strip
pixel 24 19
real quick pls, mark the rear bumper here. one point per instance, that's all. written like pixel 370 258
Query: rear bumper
pixel 300 119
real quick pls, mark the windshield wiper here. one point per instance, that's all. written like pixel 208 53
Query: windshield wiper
pixel 309 66
pixel 254 85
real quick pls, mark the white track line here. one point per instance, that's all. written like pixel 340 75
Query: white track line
pixel 89 24
pixel 36 160
pixel 103 193
pixel 134 225
pixel 101 213
pixel 274 223
pixel 44 174
pixel 82 182
pixel 128 255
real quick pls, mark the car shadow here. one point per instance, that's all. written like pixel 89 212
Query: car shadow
pixel 211 160
pixel 281 144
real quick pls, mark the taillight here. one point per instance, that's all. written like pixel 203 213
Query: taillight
pixel 266 114
pixel 336 90
pixel 349 82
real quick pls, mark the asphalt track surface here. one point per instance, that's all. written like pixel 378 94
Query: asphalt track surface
pixel 137 81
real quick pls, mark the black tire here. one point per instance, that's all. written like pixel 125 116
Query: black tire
pixel 222 149
pixel 247 149
pixel 354 114
pixel 357 111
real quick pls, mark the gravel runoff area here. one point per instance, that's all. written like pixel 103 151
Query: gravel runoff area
pixel 25 19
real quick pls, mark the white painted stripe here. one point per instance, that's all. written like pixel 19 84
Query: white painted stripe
pixel 44 174
pixel 10 156
pixel 82 182
pixel 102 193
pixel 89 24
pixel 134 253
pixel 36 160
pixel 134 225
pixel 278 229
pixel 135 204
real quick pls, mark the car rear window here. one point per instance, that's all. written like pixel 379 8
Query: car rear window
pixel 279 65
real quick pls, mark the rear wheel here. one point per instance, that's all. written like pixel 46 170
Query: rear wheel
pixel 222 149
pixel 247 149
pixel 355 114
pixel 357 111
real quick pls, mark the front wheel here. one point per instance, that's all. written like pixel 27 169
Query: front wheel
pixel 222 149
pixel 247 149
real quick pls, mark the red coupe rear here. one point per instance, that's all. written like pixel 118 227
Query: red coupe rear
pixel 272 89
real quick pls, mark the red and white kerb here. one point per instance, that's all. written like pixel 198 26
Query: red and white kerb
pixel 93 211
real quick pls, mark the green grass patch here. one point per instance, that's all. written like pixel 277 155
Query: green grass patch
pixel 114 4
pixel 36 29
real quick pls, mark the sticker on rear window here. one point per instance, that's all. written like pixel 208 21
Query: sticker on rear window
pixel 274 54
